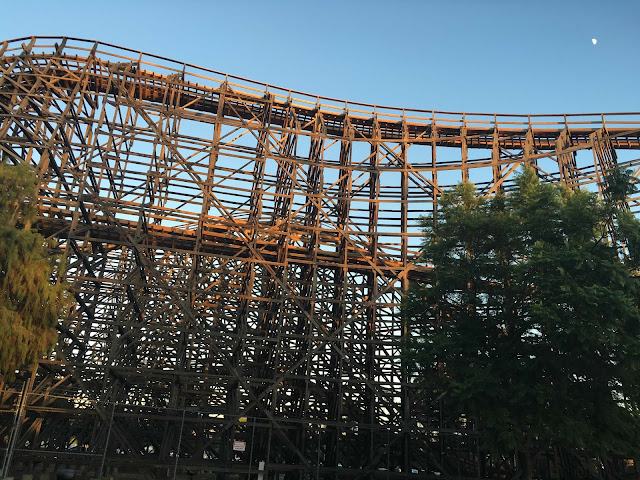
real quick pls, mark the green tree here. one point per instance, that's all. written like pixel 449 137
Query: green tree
pixel 30 304
pixel 530 323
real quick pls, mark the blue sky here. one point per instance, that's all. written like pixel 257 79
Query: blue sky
pixel 474 56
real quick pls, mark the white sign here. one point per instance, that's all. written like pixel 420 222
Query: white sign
pixel 239 446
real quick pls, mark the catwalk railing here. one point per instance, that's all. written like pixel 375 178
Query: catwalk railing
pixel 239 251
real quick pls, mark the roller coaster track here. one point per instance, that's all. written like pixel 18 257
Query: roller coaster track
pixel 238 253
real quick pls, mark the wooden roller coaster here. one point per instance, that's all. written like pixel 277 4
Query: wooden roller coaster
pixel 237 253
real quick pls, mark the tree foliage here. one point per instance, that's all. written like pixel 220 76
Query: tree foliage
pixel 530 322
pixel 30 304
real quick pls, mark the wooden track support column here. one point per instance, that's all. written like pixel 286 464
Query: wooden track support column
pixel 371 278
pixel 404 322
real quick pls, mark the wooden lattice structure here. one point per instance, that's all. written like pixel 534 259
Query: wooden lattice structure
pixel 238 253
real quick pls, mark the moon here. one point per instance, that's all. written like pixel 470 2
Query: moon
pixel 594 41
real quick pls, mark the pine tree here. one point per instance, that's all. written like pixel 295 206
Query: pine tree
pixel 530 324
pixel 30 303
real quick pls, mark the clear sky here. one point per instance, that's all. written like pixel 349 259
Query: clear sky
pixel 506 56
